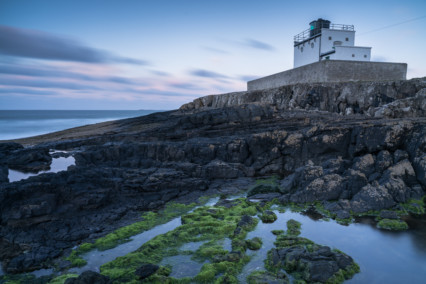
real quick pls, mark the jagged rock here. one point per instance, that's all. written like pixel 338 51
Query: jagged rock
pixel 7 148
pixel 371 198
pixel 364 164
pixel 409 107
pixel 329 187
pixel 89 277
pixel 146 270
pixel 399 155
pixel 383 161
pixel 29 160
pixel 4 173
pixel 386 214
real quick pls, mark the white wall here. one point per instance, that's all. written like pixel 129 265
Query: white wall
pixel 307 52
pixel 356 53
pixel 336 35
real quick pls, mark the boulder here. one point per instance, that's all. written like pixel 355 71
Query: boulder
pixel 146 270
pixel 89 277
pixel 372 198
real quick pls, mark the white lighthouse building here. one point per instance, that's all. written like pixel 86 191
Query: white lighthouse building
pixel 326 41
pixel 327 53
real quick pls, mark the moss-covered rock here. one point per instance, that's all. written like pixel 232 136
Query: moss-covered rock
pixel 393 225
pixel 268 217
pixel 254 244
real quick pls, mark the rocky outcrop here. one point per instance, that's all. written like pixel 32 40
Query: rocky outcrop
pixel 350 163
pixel 388 98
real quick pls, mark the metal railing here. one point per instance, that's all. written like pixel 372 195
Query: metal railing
pixel 306 34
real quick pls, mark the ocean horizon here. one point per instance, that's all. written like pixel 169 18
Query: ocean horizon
pixel 15 124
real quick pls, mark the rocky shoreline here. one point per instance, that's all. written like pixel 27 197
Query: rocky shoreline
pixel 354 147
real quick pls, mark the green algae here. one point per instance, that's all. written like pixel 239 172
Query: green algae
pixel 61 279
pixel 254 244
pixel 293 227
pixel 123 234
pixel 212 225
pixel 268 216
pixel 393 225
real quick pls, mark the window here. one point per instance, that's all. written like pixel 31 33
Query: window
pixel 327 58
pixel 329 38
pixel 312 45
pixel 301 49
pixel 365 55
pixel 353 55
pixel 347 39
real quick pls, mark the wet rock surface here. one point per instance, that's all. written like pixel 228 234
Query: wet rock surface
pixel 349 162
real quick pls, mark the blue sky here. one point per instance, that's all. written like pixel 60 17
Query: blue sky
pixel 160 54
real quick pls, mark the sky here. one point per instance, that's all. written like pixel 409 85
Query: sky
pixel 160 54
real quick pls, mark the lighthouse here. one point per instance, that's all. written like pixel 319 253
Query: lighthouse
pixel 326 53
pixel 326 41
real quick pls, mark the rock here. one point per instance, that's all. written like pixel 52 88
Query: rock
pixel 383 161
pixel 4 174
pixel 371 198
pixel 364 164
pixel 89 277
pixel 329 187
pixel 399 155
pixel 146 270
pixel 265 277
pixel 7 148
pixel 263 188
pixel 29 160
pixel 268 217
pixel 403 170
pixel 266 196
pixel 386 214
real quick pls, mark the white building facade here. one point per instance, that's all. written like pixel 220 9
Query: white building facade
pixel 326 41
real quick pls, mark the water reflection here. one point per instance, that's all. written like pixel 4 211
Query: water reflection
pixel 58 164
pixel 384 256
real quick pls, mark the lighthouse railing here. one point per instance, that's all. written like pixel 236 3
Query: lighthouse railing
pixel 306 34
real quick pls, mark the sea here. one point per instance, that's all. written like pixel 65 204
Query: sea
pixel 16 124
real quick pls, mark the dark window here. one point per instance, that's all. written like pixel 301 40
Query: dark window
pixel 301 49
pixel 353 55
pixel 329 38
pixel 347 39
pixel 327 57
pixel 365 56
pixel 312 45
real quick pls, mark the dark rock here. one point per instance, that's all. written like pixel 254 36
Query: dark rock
pixel 266 196
pixel 263 188
pixel 383 161
pixel 399 155
pixel 364 164
pixel 89 277
pixel 4 174
pixel 146 270
pixel 268 217
pixel 30 160
pixel 329 187
pixel 386 214
pixel 372 198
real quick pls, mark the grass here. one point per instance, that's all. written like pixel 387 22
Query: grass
pixel 61 279
pixel 254 244
pixel 393 225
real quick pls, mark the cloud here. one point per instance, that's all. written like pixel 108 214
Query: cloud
pixel 40 45
pixel 36 83
pixel 257 44
pixel 183 85
pixel 248 77
pixel 158 92
pixel 25 91
pixel 215 50
pixel 58 73
pixel 207 74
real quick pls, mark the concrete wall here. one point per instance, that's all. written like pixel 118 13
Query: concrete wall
pixel 332 71
pixel 336 35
